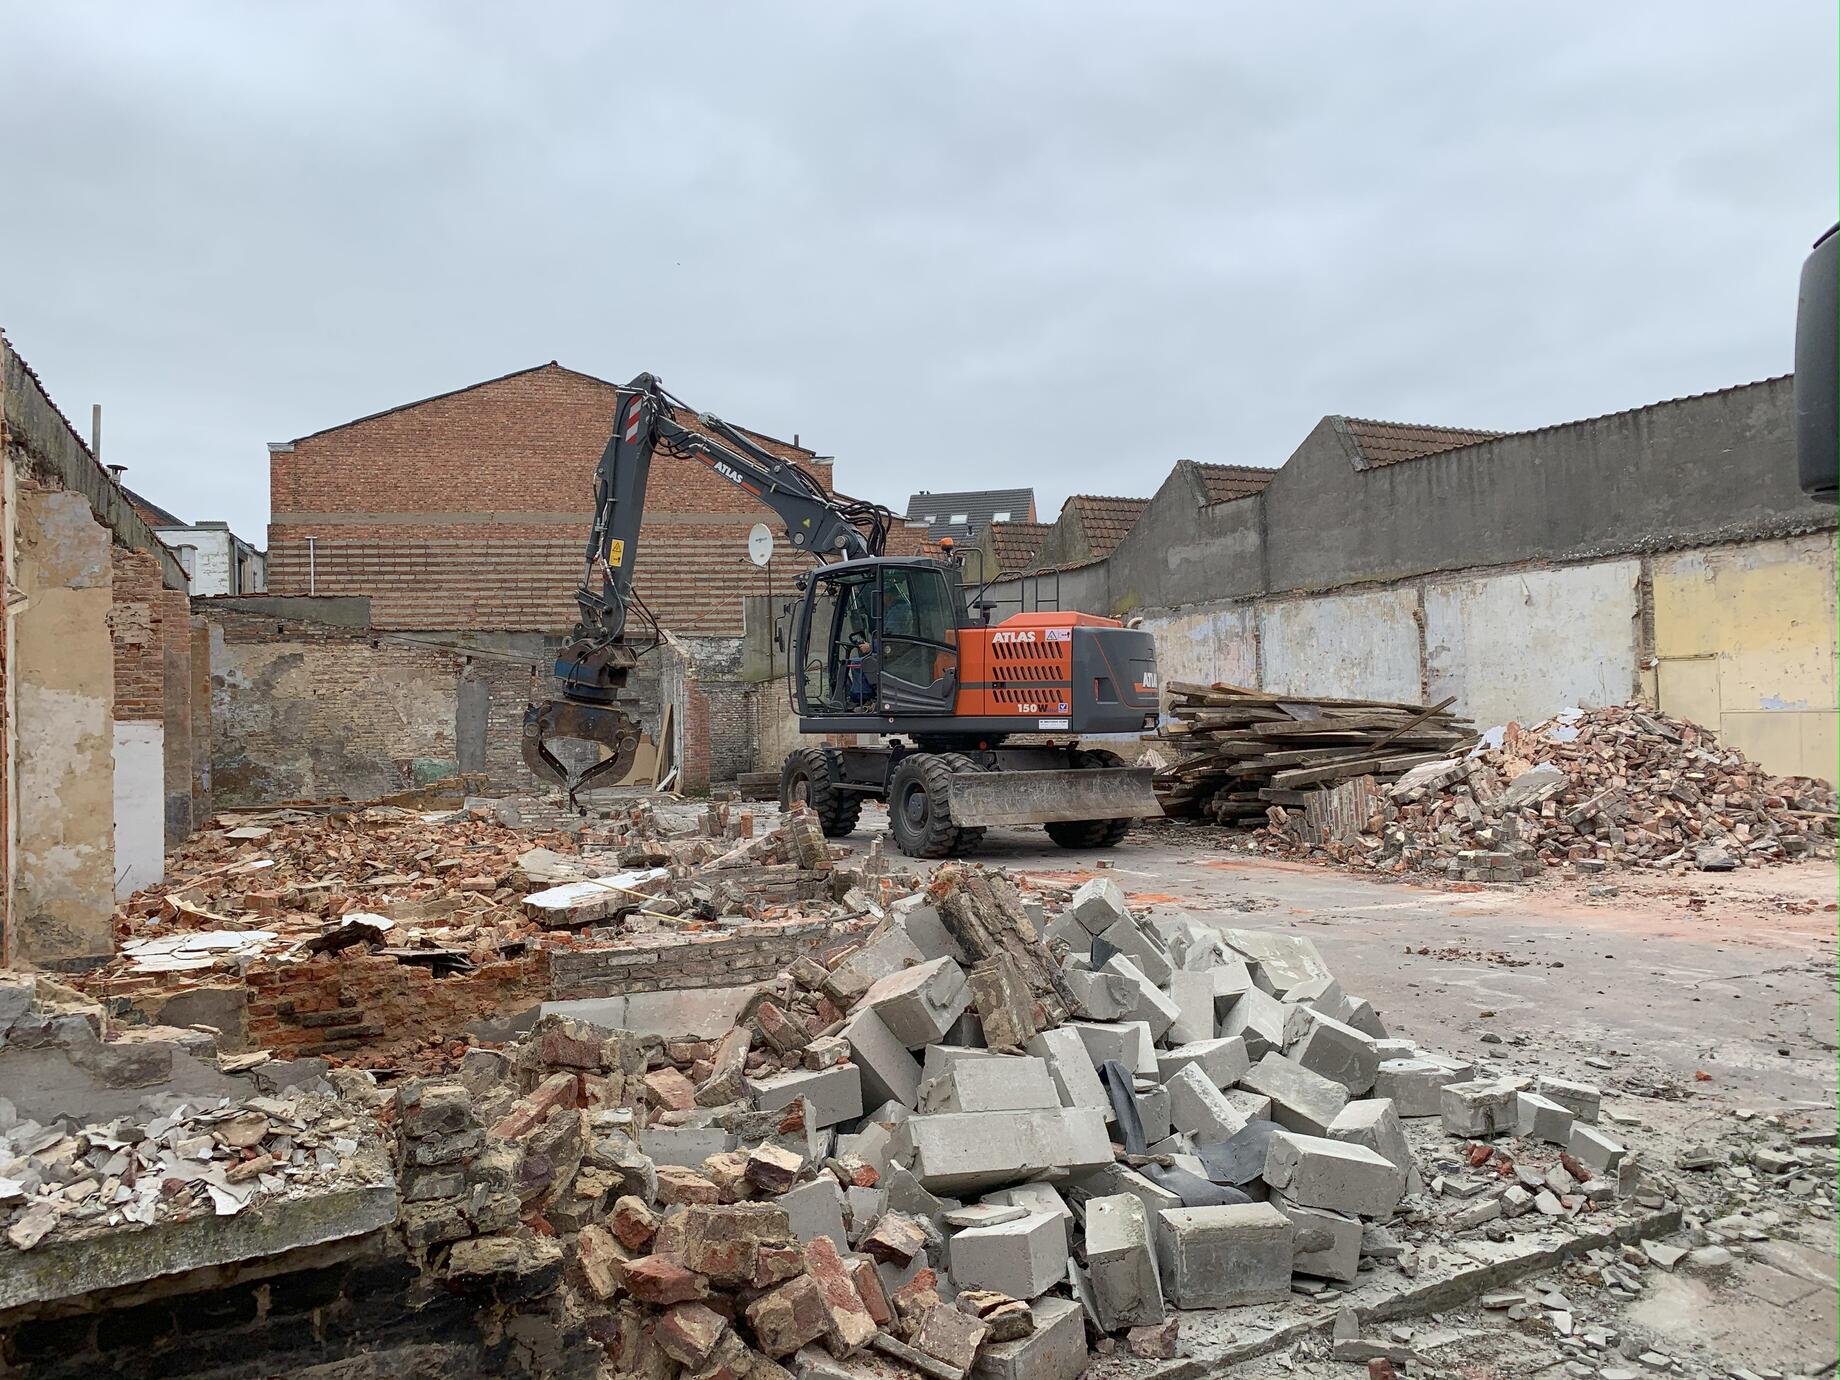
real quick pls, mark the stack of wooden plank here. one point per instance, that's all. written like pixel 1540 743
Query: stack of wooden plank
pixel 1243 751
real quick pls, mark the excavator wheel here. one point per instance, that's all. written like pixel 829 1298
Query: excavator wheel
pixel 811 775
pixel 917 808
pixel 1090 833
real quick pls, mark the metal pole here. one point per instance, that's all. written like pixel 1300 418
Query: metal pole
pixel 312 569
pixel 95 431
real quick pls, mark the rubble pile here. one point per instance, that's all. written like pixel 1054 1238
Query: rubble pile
pixel 175 1158
pixel 362 932
pixel 1624 786
pixel 975 1135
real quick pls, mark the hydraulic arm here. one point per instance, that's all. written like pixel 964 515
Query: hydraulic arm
pixel 593 666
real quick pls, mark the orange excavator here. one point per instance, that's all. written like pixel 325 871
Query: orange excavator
pixel 894 649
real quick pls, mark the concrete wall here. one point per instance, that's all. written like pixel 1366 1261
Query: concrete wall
pixel 1354 646
pixel 1512 645
pixel 63 680
pixel 1663 551
pixel 1744 642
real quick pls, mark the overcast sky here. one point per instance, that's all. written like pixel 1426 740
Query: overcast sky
pixel 956 245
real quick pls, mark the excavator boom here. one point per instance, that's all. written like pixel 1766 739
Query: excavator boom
pixel 586 737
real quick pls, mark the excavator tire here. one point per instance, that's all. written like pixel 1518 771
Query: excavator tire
pixel 811 775
pixel 1090 833
pixel 917 809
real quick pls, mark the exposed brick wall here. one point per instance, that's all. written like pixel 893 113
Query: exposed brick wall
pixel 337 1004
pixel 310 710
pixel 755 953
pixel 471 511
pixel 137 596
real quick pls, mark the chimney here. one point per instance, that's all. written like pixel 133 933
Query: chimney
pixel 117 471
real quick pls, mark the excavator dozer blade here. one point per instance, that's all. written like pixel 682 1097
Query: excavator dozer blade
pixel 549 722
pixel 1042 797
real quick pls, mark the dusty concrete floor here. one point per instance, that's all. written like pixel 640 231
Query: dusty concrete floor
pixel 1732 975
pixel 1690 998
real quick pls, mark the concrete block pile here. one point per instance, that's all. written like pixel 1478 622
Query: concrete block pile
pixel 1592 790
pixel 967 1143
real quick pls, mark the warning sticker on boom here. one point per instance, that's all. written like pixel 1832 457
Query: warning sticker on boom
pixel 616 552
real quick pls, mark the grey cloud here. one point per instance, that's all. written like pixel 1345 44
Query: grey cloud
pixel 1059 244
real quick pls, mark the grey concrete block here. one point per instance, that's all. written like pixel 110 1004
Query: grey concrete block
pixel 1106 996
pixel 1126 1041
pixel 1023 1258
pixel 1361 1015
pixel 1266 1024
pixel 1036 1198
pixel 1193 995
pixel 1543 1119
pixel 1107 1180
pixel 1372 1122
pixel 1075 1077
pixel 1232 978
pixel 832 1095
pixel 1221 1257
pixel 1479 1108
pixel 1098 905
pixel 958 1152
pixel 685 1146
pixel 815 1209
pixel 940 1058
pixel 923 927
pixel 1151 1004
pixel 1153 1112
pixel 1121 1262
pixel 1279 962
pixel 1582 1100
pixel 1334 1174
pixel 1064 929
pixel 1597 1150
pixel 889 1072
pixel 1144 949
pixel 1003 1083
pixel 872 1143
pixel 1251 1105
pixel 1201 1109
pixel 888 952
pixel 919 1004
pixel 1338 1052
pixel 1055 1350
pixel 1300 1100
pixel 1324 1244
pixel 1223 1060
pixel 1415 1086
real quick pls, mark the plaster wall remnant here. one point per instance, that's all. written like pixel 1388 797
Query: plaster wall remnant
pixel 63 667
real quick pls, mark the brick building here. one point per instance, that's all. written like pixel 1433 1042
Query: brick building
pixel 470 510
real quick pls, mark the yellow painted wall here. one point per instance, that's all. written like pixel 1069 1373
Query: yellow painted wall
pixel 1745 641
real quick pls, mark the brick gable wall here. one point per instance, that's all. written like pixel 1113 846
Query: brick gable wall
pixel 471 512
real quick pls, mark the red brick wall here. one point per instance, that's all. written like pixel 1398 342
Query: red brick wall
pixel 471 511
pixel 135 622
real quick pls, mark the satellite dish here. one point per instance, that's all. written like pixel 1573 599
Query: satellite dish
pixel 760 544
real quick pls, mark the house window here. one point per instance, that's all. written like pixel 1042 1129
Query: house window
pixel 1000 517
pixel 932 517
pixel 959 519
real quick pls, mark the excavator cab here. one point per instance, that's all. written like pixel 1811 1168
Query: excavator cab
pixel 877 637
